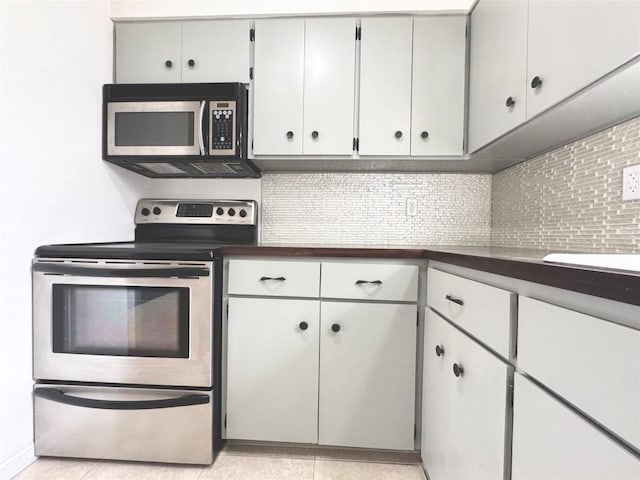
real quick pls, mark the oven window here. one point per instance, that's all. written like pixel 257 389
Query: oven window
pixel 126 321
pixel 154 129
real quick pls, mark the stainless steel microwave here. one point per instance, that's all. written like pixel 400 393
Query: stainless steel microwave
pixel 177 130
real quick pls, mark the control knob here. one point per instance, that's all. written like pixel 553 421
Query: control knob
pixel 145 211
pixel 219 211
pixel 157 211
pixel 243 213
pixel 231 212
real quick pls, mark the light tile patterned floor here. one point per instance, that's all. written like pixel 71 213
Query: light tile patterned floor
pixel 243 462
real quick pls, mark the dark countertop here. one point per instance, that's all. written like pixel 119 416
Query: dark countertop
pixel 523 264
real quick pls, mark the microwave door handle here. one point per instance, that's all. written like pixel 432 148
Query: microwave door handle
pixel 59 396
pixel 63 269
pixel 201 137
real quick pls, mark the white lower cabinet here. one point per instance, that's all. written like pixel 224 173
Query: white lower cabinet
pixel 272 373
pixel 465 408
pixel 552 442
pixel 367 375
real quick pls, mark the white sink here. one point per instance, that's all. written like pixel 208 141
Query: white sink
pixel 618 261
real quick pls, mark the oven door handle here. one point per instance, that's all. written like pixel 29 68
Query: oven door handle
pixel 60 397
pixel 202 133
pixel 64 269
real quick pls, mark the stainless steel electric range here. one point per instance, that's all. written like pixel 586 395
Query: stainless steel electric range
pixel 127 336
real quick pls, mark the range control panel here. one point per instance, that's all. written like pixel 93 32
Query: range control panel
pixel 222 131
pixel 212 212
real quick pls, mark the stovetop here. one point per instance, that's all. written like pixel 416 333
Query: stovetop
pixel 173 230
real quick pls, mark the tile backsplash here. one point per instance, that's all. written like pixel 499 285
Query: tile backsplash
pixel 353 208
pixel 570 198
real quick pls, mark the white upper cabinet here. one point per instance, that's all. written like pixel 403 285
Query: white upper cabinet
pixel 278 87
pixel 574 43
pixel 215 51
pixel 329 86
pixel 304 87
pixel 498 70
pixel 438 86
pixel 148 52
pixel 172 52
pixel 385 86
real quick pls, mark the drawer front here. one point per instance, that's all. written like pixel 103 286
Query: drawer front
pixel 482 310
pixel 592 363
pixel 174 434
pixel 274 278
pixel 552 442
pixel 370 281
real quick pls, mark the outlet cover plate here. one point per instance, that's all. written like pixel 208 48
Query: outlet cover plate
pixel 412 207
pixel 631 182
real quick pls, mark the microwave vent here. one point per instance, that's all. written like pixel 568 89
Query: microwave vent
pixel 214 167
pixel 162 168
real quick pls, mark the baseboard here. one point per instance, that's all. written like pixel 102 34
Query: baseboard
pixel 16 463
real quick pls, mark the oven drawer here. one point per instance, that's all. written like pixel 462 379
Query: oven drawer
pixel 370 281
pixel 123 424
pixel 274 278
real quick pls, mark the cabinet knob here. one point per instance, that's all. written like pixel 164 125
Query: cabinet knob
pixel 458 371
pixel 191 62
pixel 510 102
pixel 424 135
pixel 335 328
pixel 303 325
pixel 398 134
pixel 455 300
pixel 314 134
pixel 536 82
pixel 168 64
pixel 439 351
pixel 289 134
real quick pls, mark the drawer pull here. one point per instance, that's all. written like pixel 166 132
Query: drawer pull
pixel 373 282
pixel 335 328
pixel 303 325
pixel 277 279
pixel 439 351
pixel 458 371
pixel 454 300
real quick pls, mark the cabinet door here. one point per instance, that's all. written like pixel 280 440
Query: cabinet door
pixel 272 373
pixel 574 43
pixel 367 375
pixel 479 405
pixel 498 69
pixel 550 441
pixel 437 111
pixel 148 52
pixel 436 395
pixel 278 87
pixel 385 86
pixel 215 51
pixel 329 86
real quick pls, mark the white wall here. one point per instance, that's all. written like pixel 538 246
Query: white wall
pixel 137 9
pixel 54 187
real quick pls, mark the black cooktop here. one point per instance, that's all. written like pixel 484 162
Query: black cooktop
pixel 170 251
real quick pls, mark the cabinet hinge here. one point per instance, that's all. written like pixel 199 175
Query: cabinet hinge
pixel 358 33
pixel 250 73
pixel 356 144
pixel 252 35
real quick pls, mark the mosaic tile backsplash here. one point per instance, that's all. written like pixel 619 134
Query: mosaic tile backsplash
pixel 336 208
pixel 570 198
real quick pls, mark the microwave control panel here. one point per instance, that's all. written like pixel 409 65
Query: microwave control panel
pixel 222 128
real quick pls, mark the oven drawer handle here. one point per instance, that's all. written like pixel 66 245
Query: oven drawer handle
pixel 122 272
pixel 60 397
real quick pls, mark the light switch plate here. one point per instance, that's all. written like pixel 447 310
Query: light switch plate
pixel 631 182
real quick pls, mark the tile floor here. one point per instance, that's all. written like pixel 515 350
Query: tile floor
pixel 243 462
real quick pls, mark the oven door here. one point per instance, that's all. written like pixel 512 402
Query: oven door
pixel 155 128
pixel 123 323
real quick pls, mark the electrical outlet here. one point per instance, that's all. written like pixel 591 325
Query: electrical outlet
pixel 412 207
pixel 630 182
